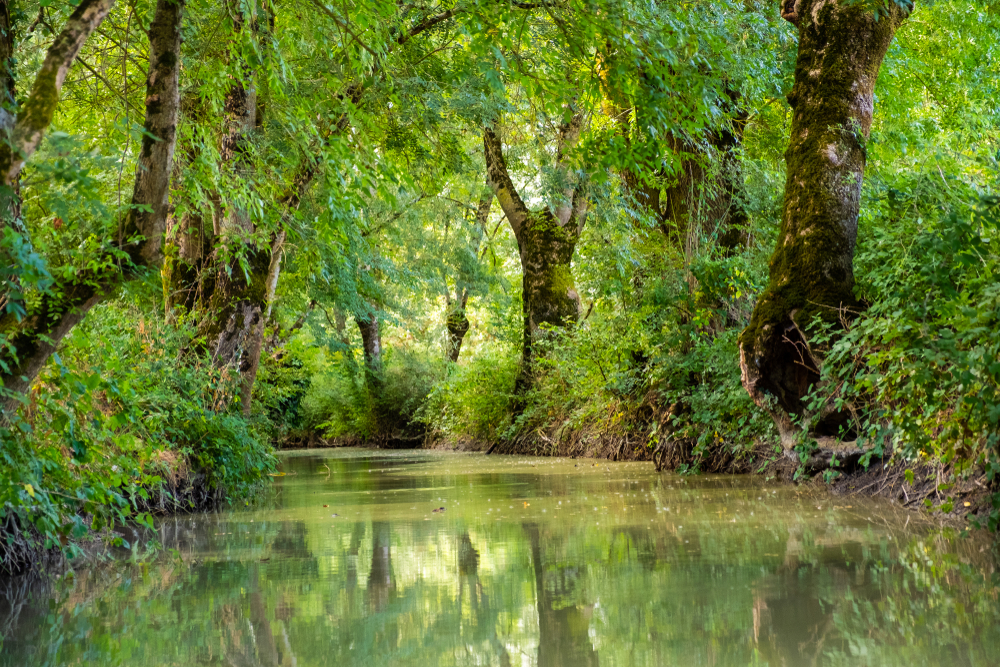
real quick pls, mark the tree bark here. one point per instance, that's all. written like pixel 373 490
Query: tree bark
pixel 10 201
pixel 458 325
pixel 371 342
pixel 693 194
pixel 237 287
pixel 36 115
pixel 841 47
pixel 32 340
pixel 249 375
pixel 456 321
pixel 546 241
pixel 11 294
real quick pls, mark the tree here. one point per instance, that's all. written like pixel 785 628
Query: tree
pixel 456 321
pixel 546 239
pixel 811 276
pixel 30 340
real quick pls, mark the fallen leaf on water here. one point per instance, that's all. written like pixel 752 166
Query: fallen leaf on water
pixel 325 505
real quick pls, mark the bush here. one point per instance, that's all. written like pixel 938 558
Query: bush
pixel 475 399
pixel 123 415
pixel 920 369
pixel 345 399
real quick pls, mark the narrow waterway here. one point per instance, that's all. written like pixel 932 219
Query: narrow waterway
pixel 375 558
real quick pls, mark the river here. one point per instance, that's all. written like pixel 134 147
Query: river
pixel 359 557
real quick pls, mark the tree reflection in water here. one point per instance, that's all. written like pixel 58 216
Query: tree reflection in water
pixel 563 627
pixel 606 575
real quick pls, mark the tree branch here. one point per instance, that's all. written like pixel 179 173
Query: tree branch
pixel 38 111
pixel 499 181
pixel 343 26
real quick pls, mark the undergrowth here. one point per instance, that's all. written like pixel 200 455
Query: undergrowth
pixel 123 423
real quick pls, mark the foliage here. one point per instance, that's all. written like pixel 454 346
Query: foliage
pixel 383 105
pixel 117 428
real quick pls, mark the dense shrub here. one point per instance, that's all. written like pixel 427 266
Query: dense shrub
pixel 346 399
pixel 920 369
pixel 122 415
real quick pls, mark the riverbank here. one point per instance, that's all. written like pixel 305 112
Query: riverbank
pixel 173 487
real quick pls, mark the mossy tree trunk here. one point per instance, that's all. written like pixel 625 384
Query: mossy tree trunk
pixel 695 200
pixel 10 199
pixel 235 292
pixel 190 237
pixel 546 241
pixel 11 293
pixel 456 320
pixel 841 47
pixel 33 338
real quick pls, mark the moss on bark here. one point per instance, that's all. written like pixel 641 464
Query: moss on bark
pixel 811 274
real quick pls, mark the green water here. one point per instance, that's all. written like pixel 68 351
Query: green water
pixel 548 562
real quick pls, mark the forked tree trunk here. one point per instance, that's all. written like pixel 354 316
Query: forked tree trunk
pixel 36 336
pixel 841 47
pixel 546 242
pixel 236 297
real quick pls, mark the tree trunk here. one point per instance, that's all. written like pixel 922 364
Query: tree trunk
pixel 371 342
pixel 549 294
pixel 11 294
pixel 189 242
pixel 249 375
pixel 10 201
pixel 694 195
pixel 237 291
pixel 456 321
pixel 841 47
pixel 546 242
pixel 458 325
pixel 34 338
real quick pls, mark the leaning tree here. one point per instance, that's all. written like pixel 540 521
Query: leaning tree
pixel 811 282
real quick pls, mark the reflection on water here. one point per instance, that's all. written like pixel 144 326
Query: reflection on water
pixel 553 563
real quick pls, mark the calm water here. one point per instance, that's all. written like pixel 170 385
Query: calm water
pixel 547 562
